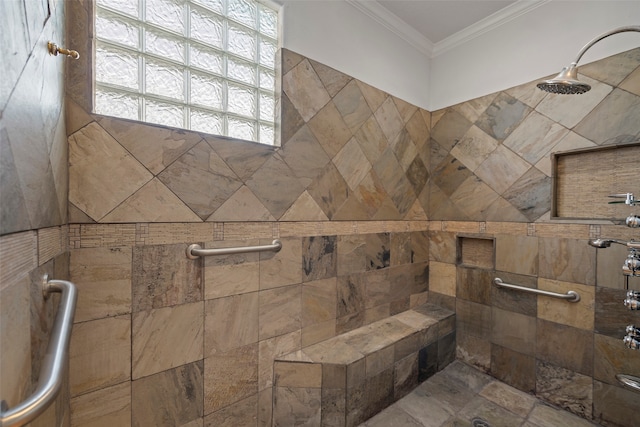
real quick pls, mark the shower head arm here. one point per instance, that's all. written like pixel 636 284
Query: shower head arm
pixel 600 37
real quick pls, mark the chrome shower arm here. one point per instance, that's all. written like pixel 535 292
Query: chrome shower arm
pixel 605 243
pixel 603 36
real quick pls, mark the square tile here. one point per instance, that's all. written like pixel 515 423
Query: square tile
pixel 230 377
pixel 319 257
pixel 280 311
pixel 230 322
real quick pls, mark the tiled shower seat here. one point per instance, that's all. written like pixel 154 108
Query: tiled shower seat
pixel 349 378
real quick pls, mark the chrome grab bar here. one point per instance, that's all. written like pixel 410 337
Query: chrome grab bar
pixel 194 251
pixel 629 381
pixel 52 368
pixel 571 296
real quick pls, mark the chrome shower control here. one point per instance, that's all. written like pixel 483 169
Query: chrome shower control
pixel 633 294
pixel 633 221
pixel 631 342
pixel 632 304
pixel 632 331
pixel 631 266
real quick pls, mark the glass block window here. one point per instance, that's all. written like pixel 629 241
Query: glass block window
pixel 204 65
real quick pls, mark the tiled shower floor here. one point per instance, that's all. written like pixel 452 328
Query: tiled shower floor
pixel 460 393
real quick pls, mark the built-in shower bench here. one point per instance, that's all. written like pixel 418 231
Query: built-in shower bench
pixel 347 379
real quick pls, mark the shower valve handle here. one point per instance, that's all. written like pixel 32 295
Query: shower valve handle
pixel 631 342
pixel 633 221
pixel 632 304
pixel 633 331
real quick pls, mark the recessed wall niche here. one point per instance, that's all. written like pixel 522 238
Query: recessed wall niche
pixel 584 180
pixel 474 251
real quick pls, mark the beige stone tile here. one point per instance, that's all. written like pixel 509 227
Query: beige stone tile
pixel 226 275
pixel 297 406
pixel 318 332
pixel 106 407
pixel 243 157
pixel 352 106
pixel 570 141
pixel 18 256
pixel 632 82
pixel 517 254
pixel 281 268
pixel 304 209
pixel 513 330
pixel 501 169
pixel 329 190
pixel 154 146
pixel 473 108
pixel 332 79
pixel 102 174
pixel 545 415
pixel 474 197
pixel 154 202
pixel 304 155
pixel 330 129
pixel 569 260
pixel 389 119
pixel 374 96
pixel 230 377
pixel 76 117
pixel 371 139
pixel 405 150
pixel 442 278
pixel 271 349
pixel 613 69
pixel 528 93
pixel 535 137
pixel 509 398
pixel 319 301
pixel 99 354
pixel 296 374
pixel 609 267
pixel 103 278
pixel 579 315
pixel 615 116
pixel 242 413
pixel 280 311
pixel 243 205
pixel 418 130
pixel 15 328
pixel 352 164
pixel 474 147
pixel 230 322
pixel 305 90
pixel 158 333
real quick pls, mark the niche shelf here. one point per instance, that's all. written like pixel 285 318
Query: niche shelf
pixel 474 251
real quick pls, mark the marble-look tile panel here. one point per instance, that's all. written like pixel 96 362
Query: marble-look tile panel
pixel 304 155
pixel 405 376
pixel 157 333
pixel 102 174
pixel 244 412
pixel 377 251
pixel 230 377
pixel 154 146
pixel 449 174
pixel 613 120
pixel 474 147
pixel 374 96
pixel 473 108
pixel 163 276
pixel 201 179
pixel 567 389
pixel 305 89
pixel 400 249
pixel 579 315
pixel 419 131
pixel 503 116
pixel 281 268
pixel 449 130
pixel 235 274
pixel 230 322
pixel 169 398
pixel 568 260
pixel 551 346
pixel 513 368
pixel 514 331
pixel 296 406
pixel 99 354
pixel 405 109
pixel 103 278
pixel 280 311
pixel 517 254
pixel 404 149
pixel 110 406
pixel 442 278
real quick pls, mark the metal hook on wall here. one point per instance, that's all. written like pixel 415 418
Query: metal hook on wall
pixel 54 50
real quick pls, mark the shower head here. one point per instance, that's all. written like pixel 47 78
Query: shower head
pixel 567 82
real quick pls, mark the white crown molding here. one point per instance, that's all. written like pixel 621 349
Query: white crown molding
pixel 381 15
pixel 501 17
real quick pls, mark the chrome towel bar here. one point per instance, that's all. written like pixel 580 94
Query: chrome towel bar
pixel 571 296
pixel 53 363
pixel 194 251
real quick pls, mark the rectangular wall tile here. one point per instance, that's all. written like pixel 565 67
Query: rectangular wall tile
pixel 230 323
pixel 226 275
pixel 109 406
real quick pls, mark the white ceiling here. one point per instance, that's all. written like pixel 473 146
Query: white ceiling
pixel 438 19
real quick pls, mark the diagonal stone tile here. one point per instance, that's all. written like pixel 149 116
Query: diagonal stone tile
pixel 567 113
pixel 305 90
pixel 275 185
pixel 371 139
pixel 154 202
pixel 289 60
pixel 304 209
pixel 290 121
pixel 304 155
pixel 389 119
pixel 387 211
pixel 528 93
pixel 416 213
pixel 374 96
pixel 632 82
pixel 102 174
pixel 535 137
pixel 352 164
pixel 405 109
pixel 474 147
pixel 501 169
pixel 503 115
pixel 13 209
pixel 441 207
pixel 243 157
pixel 501 210
pixel 351 210
pixel 371 193
pixel 571 141
pixel 449 174
pixel 531 194
pixel 394 181
pixel 330 129
pixel 332 80
pixel 329 190
pixel 418 130
pixel 614 69
pixel 472 109
pixel 614 120
pixel 201 179
pixel 153 146
pixel 405 149
pixel 417 174
pixel 450 129
pixel 352 106
pixel 242 206
pixel 473 197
